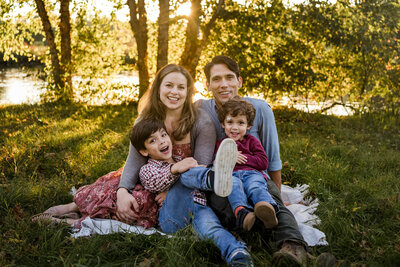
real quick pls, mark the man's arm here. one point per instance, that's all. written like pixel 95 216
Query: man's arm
pixel 276 177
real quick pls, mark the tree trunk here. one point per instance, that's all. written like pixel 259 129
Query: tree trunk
pixel 65 32
pixel 193 45
pixel 138 24
pixel 163 27
pixel 41 9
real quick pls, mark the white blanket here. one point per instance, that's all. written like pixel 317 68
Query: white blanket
pixel 302 209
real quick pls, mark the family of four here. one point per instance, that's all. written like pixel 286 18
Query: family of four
pixel 214 164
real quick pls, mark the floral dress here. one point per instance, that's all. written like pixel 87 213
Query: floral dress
pixel 99 200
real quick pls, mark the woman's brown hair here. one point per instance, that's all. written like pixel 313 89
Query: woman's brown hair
pixel 151 107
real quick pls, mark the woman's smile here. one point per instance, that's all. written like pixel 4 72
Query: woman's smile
pixel 173 90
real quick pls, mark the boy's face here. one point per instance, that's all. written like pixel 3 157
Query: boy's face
pixel 224 84
pixel 158 146
pixel 235 127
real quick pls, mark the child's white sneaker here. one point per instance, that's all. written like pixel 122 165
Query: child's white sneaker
pixel 224 162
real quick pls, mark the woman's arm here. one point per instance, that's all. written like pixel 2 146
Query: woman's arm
pixel 126 203
pixel 203 137
pixel 132 167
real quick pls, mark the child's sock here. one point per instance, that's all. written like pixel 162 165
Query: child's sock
pixel 237 210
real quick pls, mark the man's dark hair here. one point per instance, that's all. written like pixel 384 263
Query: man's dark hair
pixel 143 130
pixel 221 59
pixel 237 106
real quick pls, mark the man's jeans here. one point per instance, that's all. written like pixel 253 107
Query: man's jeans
pixel 287 229
pixel 249 184
pixel 176 213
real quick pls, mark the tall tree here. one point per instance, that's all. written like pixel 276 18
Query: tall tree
pixel 163 27
pixel 195 43
pixel 65 32
pixel 61 71
pixel 138 22
pixel 51 42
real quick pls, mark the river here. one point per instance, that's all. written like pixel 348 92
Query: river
pixel 18 86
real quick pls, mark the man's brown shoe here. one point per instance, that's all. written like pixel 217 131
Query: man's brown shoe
pixel 291 254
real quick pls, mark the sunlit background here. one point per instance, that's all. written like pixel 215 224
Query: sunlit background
pixel 20 86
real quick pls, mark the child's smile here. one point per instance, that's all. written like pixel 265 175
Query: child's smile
pixel 158 146
pixel 235 127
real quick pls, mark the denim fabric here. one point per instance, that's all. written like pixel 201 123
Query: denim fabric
pixel 196 178
pixel 249 184
pixel 208 226
pixel 177 208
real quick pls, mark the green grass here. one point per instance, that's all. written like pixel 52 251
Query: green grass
pixel 352 165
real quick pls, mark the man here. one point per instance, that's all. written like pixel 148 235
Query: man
pixel 224 81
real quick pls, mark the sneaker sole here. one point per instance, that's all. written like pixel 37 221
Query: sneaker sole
pixel 266 213
pixel 225 161
pixel 249 221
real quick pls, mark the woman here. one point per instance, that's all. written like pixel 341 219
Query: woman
pixel 193 133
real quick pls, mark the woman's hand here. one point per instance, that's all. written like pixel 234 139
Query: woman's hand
pixel 126 205
pixel 160 198
pixel 241 159
pixel 184 165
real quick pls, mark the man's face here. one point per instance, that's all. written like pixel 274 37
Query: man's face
pixel 224 84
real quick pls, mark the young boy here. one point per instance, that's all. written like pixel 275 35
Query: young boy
pixel 162 169
pixel 236 117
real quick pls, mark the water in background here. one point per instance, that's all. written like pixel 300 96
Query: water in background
pixel 18 86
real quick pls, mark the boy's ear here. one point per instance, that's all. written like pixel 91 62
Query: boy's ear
pixel 144 152
pixel 222 125
pixel 249 127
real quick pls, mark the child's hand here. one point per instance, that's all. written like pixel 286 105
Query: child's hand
pixel 160 198
pixel 183 165
pixel 241 159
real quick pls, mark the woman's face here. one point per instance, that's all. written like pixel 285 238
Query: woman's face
pixel 173 91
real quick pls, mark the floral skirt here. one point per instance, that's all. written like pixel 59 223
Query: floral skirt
pixel 98 200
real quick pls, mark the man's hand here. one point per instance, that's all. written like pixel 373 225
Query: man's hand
pixel 160 198
pixel 183 165
pixel 241 159
pixel 126 205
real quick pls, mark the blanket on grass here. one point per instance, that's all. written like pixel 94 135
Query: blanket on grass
pixel 294 198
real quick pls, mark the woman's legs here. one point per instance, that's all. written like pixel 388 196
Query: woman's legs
pixel 60 210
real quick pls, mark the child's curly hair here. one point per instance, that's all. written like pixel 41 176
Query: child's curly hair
pixel 237 106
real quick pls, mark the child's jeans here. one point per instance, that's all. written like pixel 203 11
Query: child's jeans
pixel 249 184
pixel 179 207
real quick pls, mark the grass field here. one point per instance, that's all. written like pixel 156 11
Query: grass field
pixel 352 165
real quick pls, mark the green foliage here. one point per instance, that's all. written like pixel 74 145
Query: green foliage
pixel 341 53
pixel 17 32
pixel 99 44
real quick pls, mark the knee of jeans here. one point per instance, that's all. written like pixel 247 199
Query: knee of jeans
pixel 170 226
